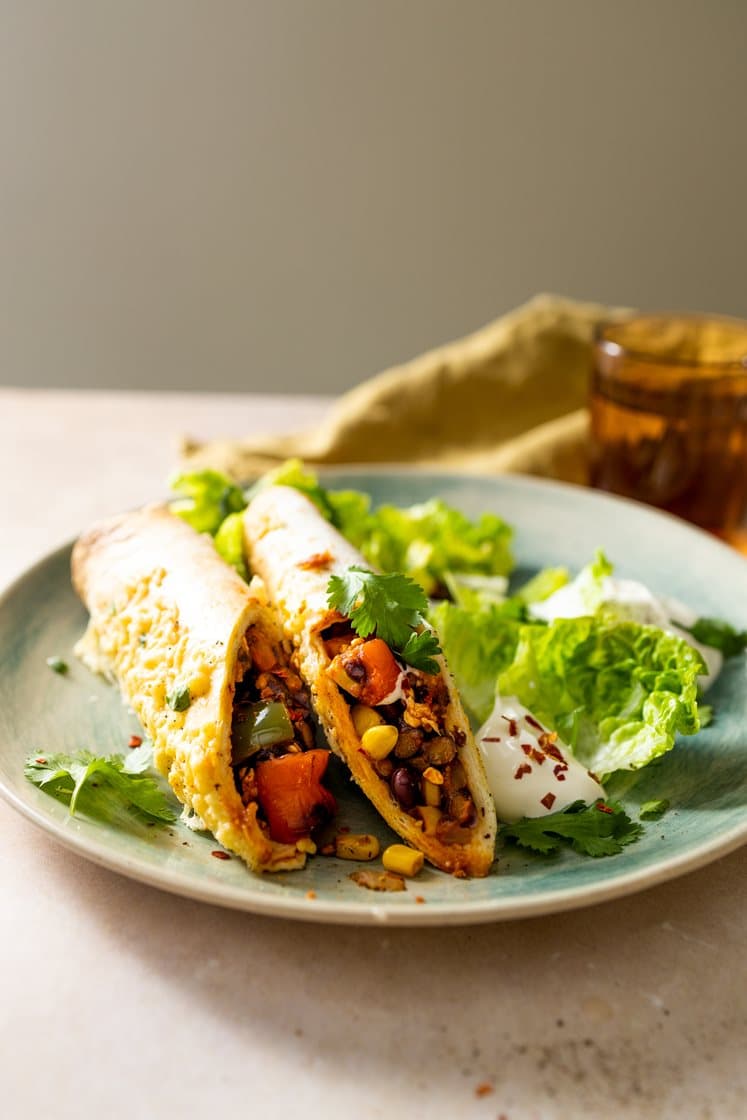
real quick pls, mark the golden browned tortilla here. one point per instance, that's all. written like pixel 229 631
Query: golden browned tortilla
pixel 168 614
pixel 295 551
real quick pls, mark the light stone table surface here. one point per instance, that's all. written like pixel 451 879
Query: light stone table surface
pixel 119 1001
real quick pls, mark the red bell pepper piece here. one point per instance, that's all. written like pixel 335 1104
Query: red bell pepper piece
pixel 373 668
pixel 291 794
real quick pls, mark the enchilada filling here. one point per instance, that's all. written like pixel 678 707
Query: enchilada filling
pixel 275 762
pixel 400 716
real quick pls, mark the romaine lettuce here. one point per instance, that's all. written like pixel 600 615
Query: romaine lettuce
pixel 427 542
pixel 209 499
pixel 229 542
pixel 477 643
pixel 616 692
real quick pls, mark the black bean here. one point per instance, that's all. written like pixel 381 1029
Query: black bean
pixel 404 787
pixel 356 670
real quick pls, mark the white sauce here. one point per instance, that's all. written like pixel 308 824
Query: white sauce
pixel 397 692
pixel 527 775
pixel 633 601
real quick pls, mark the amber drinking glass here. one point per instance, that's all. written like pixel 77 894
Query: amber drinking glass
pixel 669 416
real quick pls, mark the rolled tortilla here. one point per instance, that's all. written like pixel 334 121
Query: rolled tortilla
pixel 168 614
pixel 295 551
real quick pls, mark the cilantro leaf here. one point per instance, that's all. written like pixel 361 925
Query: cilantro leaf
pixel 602 829
pixel 107 789
pixel 719 635
pixel 179 699
pixel 57 665
pixel 419 651
pixel 652 810
pixel 391 606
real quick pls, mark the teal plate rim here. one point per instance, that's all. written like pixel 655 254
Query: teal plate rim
pixel 545 514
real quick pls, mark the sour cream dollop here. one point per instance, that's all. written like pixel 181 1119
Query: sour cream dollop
pixel 530 772
pixel 635 602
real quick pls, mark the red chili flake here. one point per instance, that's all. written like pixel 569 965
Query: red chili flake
pixel 560 777
pixel 419 898
pixel 533 722
pixel 527 750
pixel 604 808
pixel 220 855
pixel 525 768
pixel 484 1089
pixel 316 560
pixel 311 894
pixel 548 800
pixel 41 761
pixel 513 728
pixel 560 769
pixel 492 739
pixel 135 741
pixel 548 746
pixel 538 756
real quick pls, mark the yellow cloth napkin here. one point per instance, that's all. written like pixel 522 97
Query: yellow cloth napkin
pixel 508 398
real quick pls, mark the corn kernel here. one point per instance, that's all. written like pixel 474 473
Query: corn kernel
pixel 380 741
pixel 430 816
pixel 431 774
pixel 306 844
pixel 363 718
pixel 432 793
pixel 404 860
pixel 356 846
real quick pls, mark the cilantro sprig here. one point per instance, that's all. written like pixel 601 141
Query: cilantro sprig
pixel 602 829
pixel 390 606
pixel 114 789
pixel 719 635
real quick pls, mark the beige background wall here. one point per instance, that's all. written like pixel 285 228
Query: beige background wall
pixel 289 195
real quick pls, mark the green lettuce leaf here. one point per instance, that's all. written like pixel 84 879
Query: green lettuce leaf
pixel 542 586
pixel 294 473
pixel 478 644
pixel 480 630
pixel 209 498
pixel 430 540
pixel 473 592
pixel 616 692
pixel 229 541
